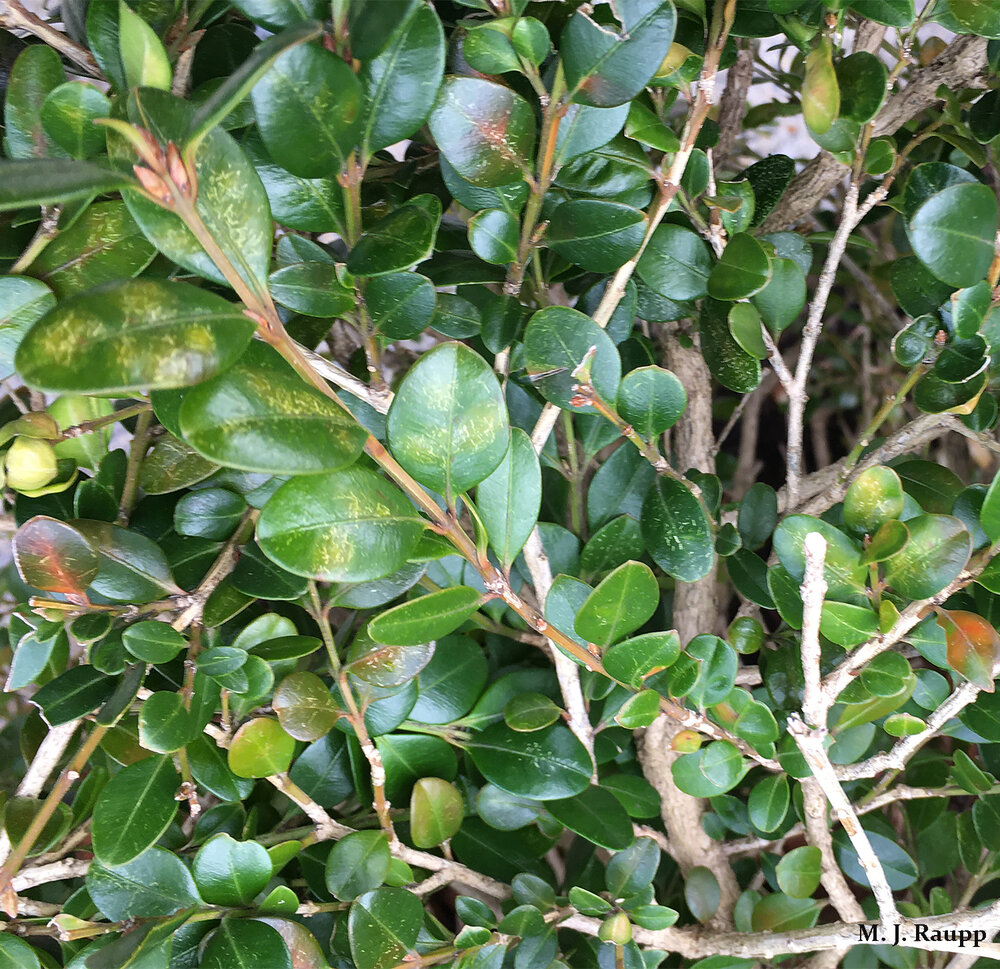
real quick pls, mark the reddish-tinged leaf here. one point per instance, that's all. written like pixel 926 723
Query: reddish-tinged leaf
pixel 973 646
pixel 54 557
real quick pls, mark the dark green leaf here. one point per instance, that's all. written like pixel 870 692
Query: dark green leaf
pixel 619 605
pixel 595 235
pixel 134 809
pixel 425 618
pixel 595 815
pixel 404 237
pixel 546 764
pixel 383 926
pixel 247 944
pixel 606 64
pixel 936 553
pixel 677 531
pixel 556 342
pixel 230 872
pixel 157 883
pixel 401 82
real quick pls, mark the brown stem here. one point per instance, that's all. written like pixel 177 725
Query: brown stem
pixel 372 755
pixel 137 451
pixel 72 773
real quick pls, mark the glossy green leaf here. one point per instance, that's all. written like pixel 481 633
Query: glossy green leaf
pixel 143 56
pixel 165 723
pixel 401 239
pixel 436 811
pixel 401 304
pixel 383 926
pixel 48 181
pixel 619 605
pixel 677 531
pixel 246 943
pixel 629 871
pixel 210 771
pixel 231 198
pixel 485 130
pixel 508 499
pixel 634 659
pixel 209 513
pixel 639 711
pixel 875 496
pixel 230 872
pixel 702 893
pixel 135 335
pixel 596 816
pixel 900 870
pixel 448 424
pixel 311 288
pixel 238 84
pixel 528 712
pixel 714 769
pixel 608 64
pixel 494 235
pixel 676 263
pixel 260 748
pixel 730 364
pixel 401 82
pixel 862 81
pixel 345 526
pixel 260 416
pixel 67 115
pixel 989 514
pixel 451 682
pixel 556 342
pixel 545 764
pixel 745 326
pixel 768 802
pixel 847 625
pixel 743 269
pixel 157 883
pixel 936 553
pixel 103 246
pixel 425 618
pixel 153 642
pixel 304 706
pixel 133 567
pixel 952 233
pixel 308 107
pixel 779 913
pixel 842 569
pixel 782 299
pixel 36 72
pixel 583 129
pixel 652 400
pixel 22 301
pixel 390 666
pixel 134 810
pixel 597 236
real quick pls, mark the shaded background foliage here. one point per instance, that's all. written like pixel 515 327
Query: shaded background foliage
pixel 469 508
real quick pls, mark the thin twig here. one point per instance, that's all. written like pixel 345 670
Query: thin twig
pixel 567 672
pixel 15 17
pixel 810 743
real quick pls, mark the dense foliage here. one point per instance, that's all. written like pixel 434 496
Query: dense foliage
pixel 470 505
